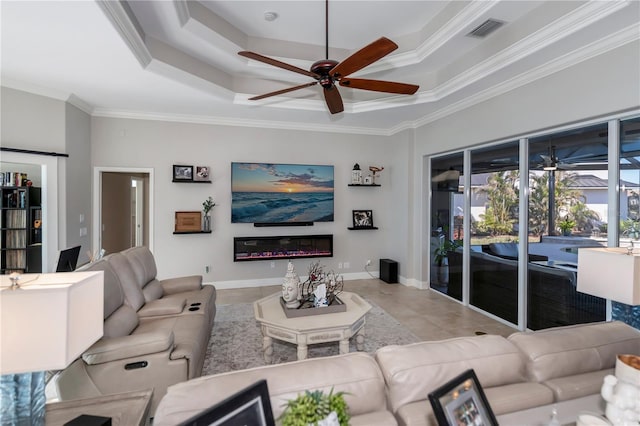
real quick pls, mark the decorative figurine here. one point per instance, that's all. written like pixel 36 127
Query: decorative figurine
pixel 356 175
pixel 290 286
pixel 374 170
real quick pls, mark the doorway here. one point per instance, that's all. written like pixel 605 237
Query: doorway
pixel 124 212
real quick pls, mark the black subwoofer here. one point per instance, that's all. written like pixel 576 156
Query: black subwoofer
pixel 389 271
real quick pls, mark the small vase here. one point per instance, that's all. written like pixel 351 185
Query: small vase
pixel 206 225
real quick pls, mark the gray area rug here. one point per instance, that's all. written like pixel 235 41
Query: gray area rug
pixel 236 340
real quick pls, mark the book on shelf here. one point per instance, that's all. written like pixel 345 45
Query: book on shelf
pixel 16 259
pixel 13 179
pixel 16 219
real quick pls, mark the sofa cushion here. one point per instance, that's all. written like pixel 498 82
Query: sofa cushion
pixel 504 249
pixel 357 374
pixel 576 349
pixel 578 385
pixel 144 266
pixel 132 292
pixel 502 399
pixel 413 371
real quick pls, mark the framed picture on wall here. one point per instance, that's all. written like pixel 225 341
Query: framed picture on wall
pixel 362 218
pixel 461 401
pixel 202 174
pixel 182 173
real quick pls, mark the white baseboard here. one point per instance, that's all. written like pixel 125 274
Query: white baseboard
pixel 265 282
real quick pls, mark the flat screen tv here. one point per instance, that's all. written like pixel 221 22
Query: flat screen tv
pixel 263 193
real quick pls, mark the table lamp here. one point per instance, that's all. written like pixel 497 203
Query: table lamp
pixel 46 322
pixel 611 273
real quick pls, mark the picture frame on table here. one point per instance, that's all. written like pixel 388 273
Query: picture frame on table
pixel 182 173
pixel 462 401
pixel 362 218
pixel 249 406
pixel 202 174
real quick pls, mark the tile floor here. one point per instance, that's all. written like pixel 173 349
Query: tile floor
pixel 429 315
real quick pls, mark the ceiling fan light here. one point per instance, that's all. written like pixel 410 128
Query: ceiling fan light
pixel 550 167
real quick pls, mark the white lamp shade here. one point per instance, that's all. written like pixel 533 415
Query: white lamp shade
pixel 50 321
pixel 610 273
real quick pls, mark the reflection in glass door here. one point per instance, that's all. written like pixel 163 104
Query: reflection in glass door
pixel 567 211
pixel 493 264
pixel 629 206
pixel 446 225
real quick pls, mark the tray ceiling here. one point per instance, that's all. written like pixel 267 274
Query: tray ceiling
pixel 177 60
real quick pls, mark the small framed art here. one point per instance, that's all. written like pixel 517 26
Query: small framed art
pixel 182 173
pixel 202 174
pixel 362 218
pixel 250 406
pixel 461 401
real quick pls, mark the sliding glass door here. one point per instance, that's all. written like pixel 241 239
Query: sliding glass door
pixel 567 211
pixel 493 262
pixel 447 203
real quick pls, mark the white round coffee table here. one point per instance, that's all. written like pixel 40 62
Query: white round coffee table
pixel 312 329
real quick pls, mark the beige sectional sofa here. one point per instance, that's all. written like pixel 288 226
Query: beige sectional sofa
pixel 156 332
pixel 528 369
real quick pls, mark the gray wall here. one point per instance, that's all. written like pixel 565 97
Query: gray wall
pixel 159 145
pixel 38 123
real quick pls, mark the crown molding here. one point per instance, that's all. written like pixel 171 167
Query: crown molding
pixel 127 26
pixel 238 122
pixel 436 41
pixel 618 39
pixel 80 104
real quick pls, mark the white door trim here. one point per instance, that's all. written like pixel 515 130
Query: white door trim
pixel 97 197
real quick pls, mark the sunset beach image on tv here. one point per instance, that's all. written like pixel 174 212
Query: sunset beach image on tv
pixel 281 193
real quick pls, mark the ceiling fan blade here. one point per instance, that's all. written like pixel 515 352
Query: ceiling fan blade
pixel 380 86
pixel 363 57
pixel 280 92
pixel 276 63
pixel 334 100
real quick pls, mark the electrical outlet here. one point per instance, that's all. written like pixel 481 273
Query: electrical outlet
pixel 273 265
pixel 346 265
pixel 206 269
pixel 368 262
pixel 340 265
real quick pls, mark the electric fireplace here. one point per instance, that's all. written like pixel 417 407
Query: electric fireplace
pixel 282 247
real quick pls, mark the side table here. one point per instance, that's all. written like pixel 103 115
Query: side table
pixel 125 409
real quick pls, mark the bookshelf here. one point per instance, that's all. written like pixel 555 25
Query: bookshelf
pixel 20 229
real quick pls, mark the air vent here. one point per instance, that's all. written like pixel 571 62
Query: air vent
pixel 486 28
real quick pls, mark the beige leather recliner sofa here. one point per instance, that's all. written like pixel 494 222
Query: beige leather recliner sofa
pixel 356 374
pixel 523 371
pixel 152 339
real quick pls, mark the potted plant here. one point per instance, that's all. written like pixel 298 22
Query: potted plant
pixel 207 205
pixel 441 259
pixel 313 407
pixel 566 225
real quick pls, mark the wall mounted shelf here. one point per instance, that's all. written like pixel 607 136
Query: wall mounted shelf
pixel 190 181
pixel 190 232
pixel 362 228
pixel 361 184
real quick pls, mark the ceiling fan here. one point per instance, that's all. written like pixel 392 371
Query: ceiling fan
pixel 551 161
pixel 328 72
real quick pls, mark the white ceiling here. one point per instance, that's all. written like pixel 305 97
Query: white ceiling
pixel 177 60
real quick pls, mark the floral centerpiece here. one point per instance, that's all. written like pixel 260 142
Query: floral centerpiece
pixel 320 288
pixel 316 408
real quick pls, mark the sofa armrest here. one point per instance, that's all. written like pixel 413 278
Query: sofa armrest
pixel 160 307
pixel 181 284
pixel 135 345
